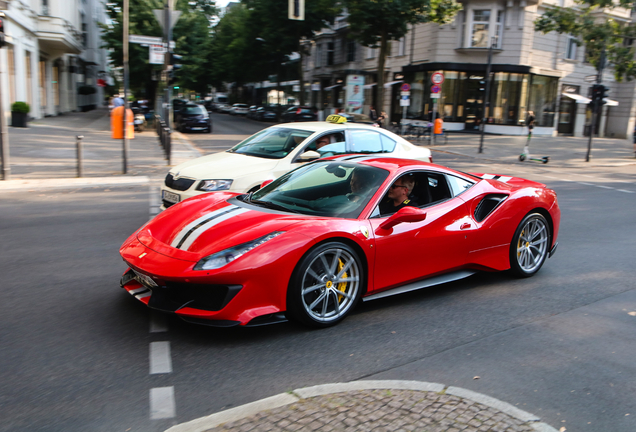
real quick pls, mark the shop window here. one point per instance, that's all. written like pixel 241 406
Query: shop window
pixel 480 29
pixel 542 100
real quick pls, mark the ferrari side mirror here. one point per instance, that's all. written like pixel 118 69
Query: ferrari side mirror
pixel 405 214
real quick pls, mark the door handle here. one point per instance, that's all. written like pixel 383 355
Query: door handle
pixel 465 226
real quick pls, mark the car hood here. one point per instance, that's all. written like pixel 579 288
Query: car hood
pixel 223 165
pixel 211 223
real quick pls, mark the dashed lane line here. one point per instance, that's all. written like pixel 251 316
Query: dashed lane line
pixel 162 404
pixel 158 322
pixel 160 360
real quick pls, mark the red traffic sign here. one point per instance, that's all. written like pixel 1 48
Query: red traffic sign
pixel 437 78
pixel 406 87
pixel 435 88
pixel 101 82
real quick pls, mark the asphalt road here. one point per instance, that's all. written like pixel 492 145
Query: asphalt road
pixel 80 354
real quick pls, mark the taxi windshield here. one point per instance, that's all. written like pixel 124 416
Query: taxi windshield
pixel 322 188
pixel 271 143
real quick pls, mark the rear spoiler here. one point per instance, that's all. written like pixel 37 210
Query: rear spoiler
pixel 512 181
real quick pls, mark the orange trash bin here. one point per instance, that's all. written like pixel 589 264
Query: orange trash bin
pixel 438 128
pixel 116 123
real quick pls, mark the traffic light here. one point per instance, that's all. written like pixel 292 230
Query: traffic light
pixel 482 85
pixel 173 68
pixel 1 30
pixel 599 92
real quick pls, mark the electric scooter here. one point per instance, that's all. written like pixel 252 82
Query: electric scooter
pixel 526 153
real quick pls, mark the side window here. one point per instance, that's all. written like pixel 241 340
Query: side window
pixel 458 185
pixel 388 145
pixel 363 141
pixel 430 188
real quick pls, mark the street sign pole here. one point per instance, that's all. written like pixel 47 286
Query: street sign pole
pixel 125 135
pixel 4 136
pixel 595 106
pixel 486 103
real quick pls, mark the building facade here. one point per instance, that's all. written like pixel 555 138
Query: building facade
pixel 545 74
pixel 52 50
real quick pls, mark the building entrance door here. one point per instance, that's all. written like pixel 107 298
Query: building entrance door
pixel 567 114
pixel 473 113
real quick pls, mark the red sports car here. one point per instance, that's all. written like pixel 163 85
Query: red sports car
pixel 309 245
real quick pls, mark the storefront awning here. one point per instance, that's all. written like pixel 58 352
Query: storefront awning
pixel 390 83
pixel 332 87
pixel 368 86
pixel 610 102
pixel 578 98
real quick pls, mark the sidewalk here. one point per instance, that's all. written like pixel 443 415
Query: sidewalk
pixel 564 152
pixel 386 406
pixel 45 153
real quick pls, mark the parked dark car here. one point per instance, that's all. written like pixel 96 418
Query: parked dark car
pixel 192 117
pixel 252 112
pixel 266 114
pixel 299 114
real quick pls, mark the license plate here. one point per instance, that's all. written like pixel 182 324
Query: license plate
pixel 139 121
pixel 170 197
pixel 197 128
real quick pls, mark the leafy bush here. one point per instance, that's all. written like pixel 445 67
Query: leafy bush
pixel 20 107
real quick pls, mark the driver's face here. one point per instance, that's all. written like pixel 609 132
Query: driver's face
pixel 322 142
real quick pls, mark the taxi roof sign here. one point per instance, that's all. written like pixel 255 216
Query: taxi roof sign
pixel 336 119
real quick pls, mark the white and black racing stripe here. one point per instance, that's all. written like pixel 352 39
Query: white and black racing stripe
pixel 193 230
pixel 502 179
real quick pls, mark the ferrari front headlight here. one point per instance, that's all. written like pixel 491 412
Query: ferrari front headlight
pixel 219 259
pixel 214 185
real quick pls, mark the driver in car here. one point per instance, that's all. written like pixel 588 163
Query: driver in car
pixel 398 195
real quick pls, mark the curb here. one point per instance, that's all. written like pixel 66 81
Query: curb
pixel 9 185
pixel 233 414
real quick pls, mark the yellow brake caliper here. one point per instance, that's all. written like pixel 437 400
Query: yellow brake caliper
pixel 342 286
pixel 519 244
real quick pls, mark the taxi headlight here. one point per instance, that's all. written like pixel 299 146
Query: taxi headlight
pixel 214 185
pixel 219 259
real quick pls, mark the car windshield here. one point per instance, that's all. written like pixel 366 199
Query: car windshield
pixel 323 188
pixel 271 143
pixel 189 109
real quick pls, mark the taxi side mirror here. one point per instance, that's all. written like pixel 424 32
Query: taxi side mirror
pixel 308 156
pixel 405 214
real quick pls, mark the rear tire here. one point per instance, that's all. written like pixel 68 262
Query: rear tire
pixel 530 245
pixel 326 285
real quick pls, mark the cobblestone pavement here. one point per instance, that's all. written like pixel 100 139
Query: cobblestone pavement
pixel 380 410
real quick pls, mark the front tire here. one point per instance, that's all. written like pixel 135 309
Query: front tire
pixel 326 285
pixel 530 245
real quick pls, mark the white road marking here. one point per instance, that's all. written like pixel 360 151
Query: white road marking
pixel 158 322
pixel 155 203
pixel 162 404
pixel 160 360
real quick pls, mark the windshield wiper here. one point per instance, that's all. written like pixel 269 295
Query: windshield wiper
pixel 273 206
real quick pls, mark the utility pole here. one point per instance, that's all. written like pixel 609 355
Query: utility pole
pixel 4 135
pixel 486 101
pixel 125 135
pixel 167 37
pixel 596 103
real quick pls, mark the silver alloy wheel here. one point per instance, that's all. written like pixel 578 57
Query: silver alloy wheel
pixel 330 285
pixel 532 245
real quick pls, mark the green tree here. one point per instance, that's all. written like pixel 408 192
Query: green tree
pixel 141 22
pixel 376 23
pixel 599 33
pixel 255 38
